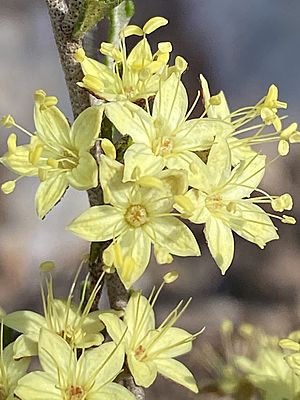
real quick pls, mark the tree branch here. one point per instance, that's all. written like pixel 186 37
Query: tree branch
pixel 63 16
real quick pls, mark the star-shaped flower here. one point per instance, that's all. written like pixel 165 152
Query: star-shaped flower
pixel 151 350
pixel 57 153
pixel 220 199
pixel 79 327
pixel 135 218
pixel 164 138
pixel 132 77
pixel 66 378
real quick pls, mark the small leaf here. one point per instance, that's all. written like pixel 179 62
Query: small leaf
pixel 93 11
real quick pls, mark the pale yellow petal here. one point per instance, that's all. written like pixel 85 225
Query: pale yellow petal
pixel 144 372
pixel 220 242
pixel 219 162
pixel 111 391
pixel 38 386
pixel 27 322
pixel 239 150
pixel 49 193
pixel 196 134
pixel 111 175
pixel 26 345
pixel 15 369
pixel 98 223
pixel 177 372
pixel 174 235
pixel 136 247
pixel 253 224
pixel 170 104
pixel 245 178
pixel 108 356
pixel 131 120
pixel 140 161
pixel 172 343
pixel 85 175
pixel 54 351
pixel 52 126
pixel 139 316
pixel 139 56
pixel 86 128
pixel 220 111
pixel 114 325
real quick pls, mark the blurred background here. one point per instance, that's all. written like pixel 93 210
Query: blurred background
pixel 241 48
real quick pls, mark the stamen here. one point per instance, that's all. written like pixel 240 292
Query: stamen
pixel 193 105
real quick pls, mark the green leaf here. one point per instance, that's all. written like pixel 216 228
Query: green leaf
pixel 92 12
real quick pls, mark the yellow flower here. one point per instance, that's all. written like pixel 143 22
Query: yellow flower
pixel 58 154
pixel 133 77
pixel 165 138
pixel 64 377
pixel 151 350
pixel 220 200
pixel 136 217
pixel 75 324
pixel 241 122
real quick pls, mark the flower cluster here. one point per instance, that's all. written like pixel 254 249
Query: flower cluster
pixel 172 169
pixel 76 364
pixel 159 171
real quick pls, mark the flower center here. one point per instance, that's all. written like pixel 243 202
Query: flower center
pixel 68 161
pixel 140 352
pixel 165 147
pixel 67 336
pixel 214 202
pixel 75 393
pixel 136 216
